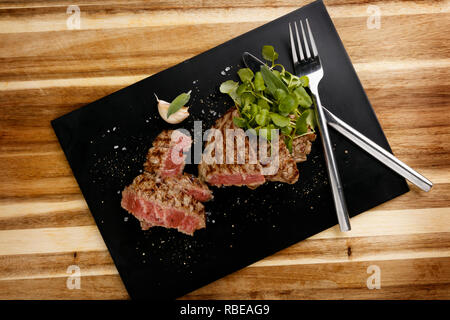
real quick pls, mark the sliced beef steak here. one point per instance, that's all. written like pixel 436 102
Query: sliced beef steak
pixel 186 183
pixel 286 167
pixel 225 164
pixel 156 203
pixel 166 157
pixel 301 146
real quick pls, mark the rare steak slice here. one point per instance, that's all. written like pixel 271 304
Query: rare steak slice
pixel 226 164
pixel 155 203
pixel 166 156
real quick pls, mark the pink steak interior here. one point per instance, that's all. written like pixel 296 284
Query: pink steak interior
pixel 154 214
pixel 174 165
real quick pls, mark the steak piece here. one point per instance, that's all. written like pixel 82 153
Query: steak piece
pixel 219 168
pixel 301 146
pixel 166 157
pixel 192 186
pixel 287 167
pixel 186 183
pixel 156 203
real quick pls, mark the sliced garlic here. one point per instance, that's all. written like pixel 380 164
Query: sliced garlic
pixel 177 117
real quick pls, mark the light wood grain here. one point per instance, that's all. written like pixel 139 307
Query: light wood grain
pixel 45 225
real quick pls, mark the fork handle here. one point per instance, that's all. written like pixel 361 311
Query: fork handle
pixel 333 173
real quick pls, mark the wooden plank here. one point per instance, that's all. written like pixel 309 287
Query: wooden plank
pixel 69 52
pixel 87 238
pixel 92 287
pixel 323 281
pixel 429 278
pixel 310 251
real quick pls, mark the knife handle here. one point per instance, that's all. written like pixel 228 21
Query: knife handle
pixel 377 152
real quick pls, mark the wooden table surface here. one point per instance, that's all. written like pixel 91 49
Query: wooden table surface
pixel 47 70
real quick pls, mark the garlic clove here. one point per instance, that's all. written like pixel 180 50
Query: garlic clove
pixel 177 117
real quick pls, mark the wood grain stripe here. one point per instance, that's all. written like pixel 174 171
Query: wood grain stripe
pixel 334 281
pixel 94 17
pixel 310 251
pixel 87 238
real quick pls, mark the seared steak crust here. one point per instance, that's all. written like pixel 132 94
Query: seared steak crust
pixel 301 146
pixel 166 155
pixel 186 183
pixel 287 170
pixel 235 173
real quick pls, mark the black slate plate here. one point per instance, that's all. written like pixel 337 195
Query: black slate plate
pixel 106 141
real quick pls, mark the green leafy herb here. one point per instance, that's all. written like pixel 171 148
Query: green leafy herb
pixel 262 118
pixel 288 142
pixel 245 74
pixel 304 80
pixel 303 98
pixel 263 104
pixel 306 119
pixel 279 120
pixel 228 86
pixel 272 81
pixel 266 132
pixel 178 102
pixel 287 104
pixel 272 98
pixel 259 82
pixel 269 54
pixel 240 122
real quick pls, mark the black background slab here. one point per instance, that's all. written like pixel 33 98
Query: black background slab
pixel 106 141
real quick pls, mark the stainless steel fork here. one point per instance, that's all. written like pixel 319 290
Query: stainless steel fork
pixel 310 65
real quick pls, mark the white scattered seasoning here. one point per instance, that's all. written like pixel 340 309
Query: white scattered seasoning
pixel 227 69
pixel 125 219
pixel 115 147
pixel 114 129
pixel 223 73
pixel 123 149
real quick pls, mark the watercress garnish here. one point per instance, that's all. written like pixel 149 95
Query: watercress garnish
pixel 272 98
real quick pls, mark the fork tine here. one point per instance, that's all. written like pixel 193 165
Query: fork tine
pixel 311 39
pixel 308 54
pixel 294 54
pixel 302 57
